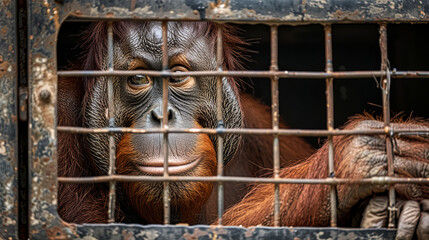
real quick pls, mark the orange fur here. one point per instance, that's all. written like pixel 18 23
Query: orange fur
pixel 255 156
pixel 309 205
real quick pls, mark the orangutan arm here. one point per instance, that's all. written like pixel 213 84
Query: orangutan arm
pixel 356 157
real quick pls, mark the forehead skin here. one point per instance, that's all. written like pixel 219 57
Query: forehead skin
pixel 144 42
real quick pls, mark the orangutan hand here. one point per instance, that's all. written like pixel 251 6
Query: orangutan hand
pixel 413 217
pixel 365 156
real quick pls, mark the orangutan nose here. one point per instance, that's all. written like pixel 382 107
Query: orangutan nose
pixel 157 113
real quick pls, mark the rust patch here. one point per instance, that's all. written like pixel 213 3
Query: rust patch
pixel 56 233
pixel 249 233
pixel 133 5
pixel 4 30
pixel 220 231
pixel 56 18
pixel 3 68
pixel 9 14
pixel 197 234
pixel 127 235
pixel 346 15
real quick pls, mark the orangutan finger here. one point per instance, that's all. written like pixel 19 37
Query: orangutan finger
pixel 375 215
pixel 408 220
pixel 423 227
pixel 424 204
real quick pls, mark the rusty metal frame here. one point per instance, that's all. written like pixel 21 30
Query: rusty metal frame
pixel 45 18
pixel 8 121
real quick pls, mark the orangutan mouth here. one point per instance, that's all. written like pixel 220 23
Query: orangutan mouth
pixel 175 166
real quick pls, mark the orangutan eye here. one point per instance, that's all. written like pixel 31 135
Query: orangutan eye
pixel 139 80
pixel 179 79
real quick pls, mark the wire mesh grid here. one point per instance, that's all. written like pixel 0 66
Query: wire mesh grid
pixel 275 75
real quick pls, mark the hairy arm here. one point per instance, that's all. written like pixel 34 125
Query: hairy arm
pixel 356 157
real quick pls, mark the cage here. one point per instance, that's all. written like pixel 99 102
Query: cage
pixel 369 55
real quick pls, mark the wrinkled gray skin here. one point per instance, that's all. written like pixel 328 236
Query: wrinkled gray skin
pixel 413 217
pixel 410 155
pixel 185 106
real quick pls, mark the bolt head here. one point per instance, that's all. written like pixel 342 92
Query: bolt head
pixel 45 95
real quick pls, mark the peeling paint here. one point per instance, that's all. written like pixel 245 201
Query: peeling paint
pixel 318 3
pixel 2 148
pixel 118 11
pixel 376 10
pixel 345 15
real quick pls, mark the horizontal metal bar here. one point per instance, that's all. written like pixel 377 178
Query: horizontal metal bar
pixel 326 181
pixel 262 131
pixel 409 74
pixel 271 11
pixel 184 231
pixel 257 74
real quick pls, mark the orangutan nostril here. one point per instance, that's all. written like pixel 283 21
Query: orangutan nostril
pixel 157 115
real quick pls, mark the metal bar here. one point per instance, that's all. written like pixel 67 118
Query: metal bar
pixel 23 123
pixel 164 125
pixel 15 182
pixel 326 181
pixel 251 11
pixel 111 116
pixel 264 131
pixel 330 121
pixel 219 65
pixel 275 121
pixel 408 74
pixel 256 74
pixel 386 117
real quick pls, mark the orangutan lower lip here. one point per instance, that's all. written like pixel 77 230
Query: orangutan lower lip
pixel 175 166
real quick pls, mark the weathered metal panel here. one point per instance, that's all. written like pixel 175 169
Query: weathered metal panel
pixel 286 11
pixel 8 122
pixel 43 24
pixel 158 232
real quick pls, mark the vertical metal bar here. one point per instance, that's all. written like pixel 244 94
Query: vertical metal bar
pixel 275 120
pixel 111 116
pixel 23 133
pixel 386 117
pixel 219 100
pixel 330 121
pixel 166 194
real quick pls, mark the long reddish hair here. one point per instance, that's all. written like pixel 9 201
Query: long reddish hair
pixel 87 203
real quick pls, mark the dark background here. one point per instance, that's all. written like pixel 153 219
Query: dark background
pixel 301 48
